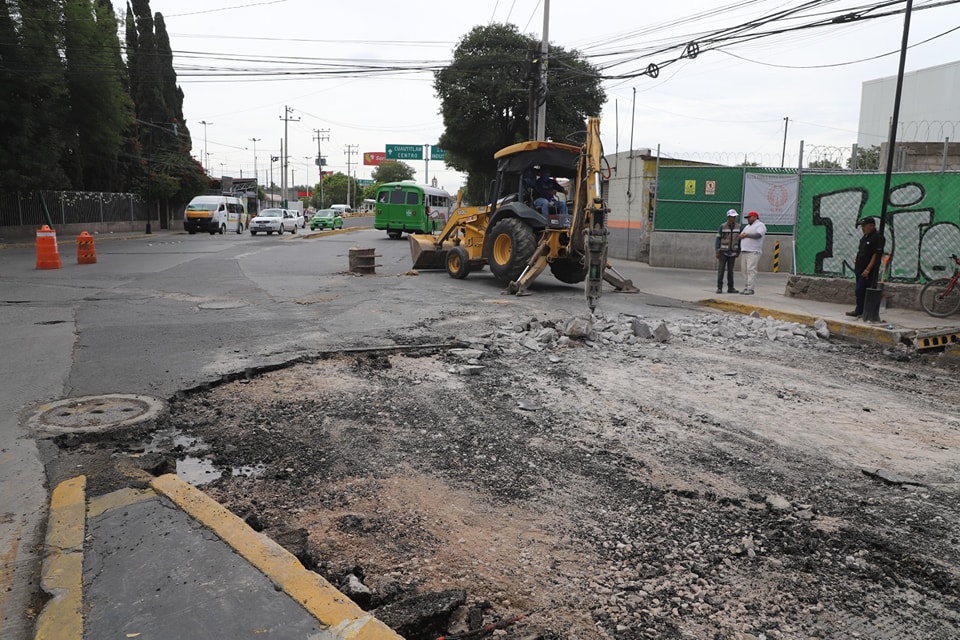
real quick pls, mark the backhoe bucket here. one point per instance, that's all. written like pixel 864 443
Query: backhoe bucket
pixel 425 253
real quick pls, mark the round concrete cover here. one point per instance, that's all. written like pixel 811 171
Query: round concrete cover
pixel 94 413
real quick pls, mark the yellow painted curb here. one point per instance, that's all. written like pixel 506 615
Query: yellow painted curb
pixel 62 573
pixel 850 330
pixel 333 609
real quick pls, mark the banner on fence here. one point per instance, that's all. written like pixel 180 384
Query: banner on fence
pixel 773 196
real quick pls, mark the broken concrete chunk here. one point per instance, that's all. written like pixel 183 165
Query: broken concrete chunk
pixel 424 615
pixel 661 333
pixel 641 329
pixel 778 503
pixel 890 477
pixel 578 328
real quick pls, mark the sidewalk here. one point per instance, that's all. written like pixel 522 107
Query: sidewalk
pixel 170 562
pixel 896 325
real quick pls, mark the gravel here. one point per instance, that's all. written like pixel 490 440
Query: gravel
pixel 703 476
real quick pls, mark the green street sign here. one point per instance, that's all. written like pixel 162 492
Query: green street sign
pixel 363 182
pixel 436 153
pixel 404 152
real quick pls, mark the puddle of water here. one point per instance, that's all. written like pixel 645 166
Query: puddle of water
pixel 197 471
pixel 170 440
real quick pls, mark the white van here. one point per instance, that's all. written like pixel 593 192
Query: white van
pixel 342 209
pixel 215 214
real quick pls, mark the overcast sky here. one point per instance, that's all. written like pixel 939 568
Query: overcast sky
pixel 243 64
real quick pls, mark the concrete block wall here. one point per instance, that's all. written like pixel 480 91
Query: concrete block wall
pixel 693 250
pixel 840 291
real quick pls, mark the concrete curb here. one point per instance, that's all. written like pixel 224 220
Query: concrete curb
pixel 61 576
pixel 62 571
pixel 333 609
pixel 847 330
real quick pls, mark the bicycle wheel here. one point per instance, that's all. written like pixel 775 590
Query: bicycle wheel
pixel 938 299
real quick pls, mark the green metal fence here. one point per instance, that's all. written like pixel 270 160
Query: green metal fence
pixel 697 198
pixel 922 227
pixel 921 231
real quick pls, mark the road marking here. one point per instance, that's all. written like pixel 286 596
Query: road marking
pixel 62 573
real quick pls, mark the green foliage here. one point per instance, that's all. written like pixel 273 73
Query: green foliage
pixel 44 148
pixel 824 164
pixel 393 171
pixel 335 189
pixel 488 92
pixel 101 109
pixel 73 115
pixel 867 159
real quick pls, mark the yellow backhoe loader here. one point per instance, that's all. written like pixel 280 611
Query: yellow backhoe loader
pixel 515 239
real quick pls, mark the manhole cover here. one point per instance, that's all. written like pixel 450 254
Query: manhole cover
pixel 94 413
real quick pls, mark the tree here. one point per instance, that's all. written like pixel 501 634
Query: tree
pixel 158 102
pixel 867 159
pixel 101 112
pixel 393 171
pixel 487 95
pixel 335 189
pixel 825 163
pixel 44 152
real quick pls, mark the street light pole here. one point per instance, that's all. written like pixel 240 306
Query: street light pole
pixel 256 176
pixel 206 154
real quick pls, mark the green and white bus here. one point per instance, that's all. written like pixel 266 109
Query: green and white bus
pixel 409 207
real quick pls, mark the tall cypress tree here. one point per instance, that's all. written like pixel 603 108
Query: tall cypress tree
pixel 101 108
pixel 41 86
pixel 13 107
pixel 165 141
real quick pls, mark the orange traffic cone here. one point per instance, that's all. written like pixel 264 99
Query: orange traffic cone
pixel 86 251
pixel 48 255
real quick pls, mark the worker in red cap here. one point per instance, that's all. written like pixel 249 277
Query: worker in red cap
pixel 751 246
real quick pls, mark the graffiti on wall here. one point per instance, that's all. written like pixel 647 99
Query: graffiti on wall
pixel 921 232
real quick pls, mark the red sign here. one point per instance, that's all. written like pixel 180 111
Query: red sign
pixel 374 158
pixel 304 194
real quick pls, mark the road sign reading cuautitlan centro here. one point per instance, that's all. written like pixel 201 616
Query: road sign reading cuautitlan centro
pixel 404 152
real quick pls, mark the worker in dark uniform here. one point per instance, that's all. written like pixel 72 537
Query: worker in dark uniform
pixel 867 263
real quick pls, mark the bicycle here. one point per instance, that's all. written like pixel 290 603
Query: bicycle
pixel 941 297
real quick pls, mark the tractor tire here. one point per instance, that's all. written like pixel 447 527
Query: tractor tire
pixel 512 244
pixel 569 271
pixel 458 263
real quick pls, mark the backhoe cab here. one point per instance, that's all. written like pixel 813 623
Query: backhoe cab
pixel 515 239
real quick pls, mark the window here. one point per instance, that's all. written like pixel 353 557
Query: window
pixel 413 197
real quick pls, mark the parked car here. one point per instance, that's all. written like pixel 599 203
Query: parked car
pixel 326 219
pixel 279 220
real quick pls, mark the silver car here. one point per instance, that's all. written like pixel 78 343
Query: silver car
pixel 279 220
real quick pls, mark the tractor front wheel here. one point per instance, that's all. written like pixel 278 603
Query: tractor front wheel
pixel 512 244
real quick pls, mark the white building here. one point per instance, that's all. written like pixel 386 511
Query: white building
pixel 929 107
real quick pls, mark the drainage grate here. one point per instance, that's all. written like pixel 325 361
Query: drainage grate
pixel 94 413
pixel 932 340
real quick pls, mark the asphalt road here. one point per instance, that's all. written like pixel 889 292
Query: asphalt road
pixel 165 312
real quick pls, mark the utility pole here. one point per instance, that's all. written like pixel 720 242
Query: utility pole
pixel 256 177
pixel 322 134
pixel 786 121
pixel 206 154
pixel 426 164
pixel 542 93
pixel 350 150
pixel 285 151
